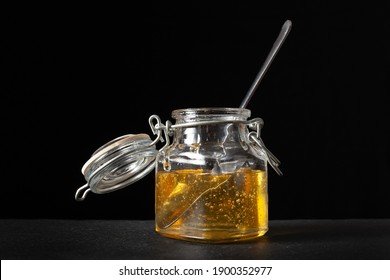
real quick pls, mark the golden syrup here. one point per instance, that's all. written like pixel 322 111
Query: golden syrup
pixel 202 206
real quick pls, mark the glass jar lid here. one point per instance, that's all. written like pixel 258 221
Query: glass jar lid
pixel 117 164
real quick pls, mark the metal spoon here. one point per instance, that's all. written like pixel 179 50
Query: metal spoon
pixel 275 48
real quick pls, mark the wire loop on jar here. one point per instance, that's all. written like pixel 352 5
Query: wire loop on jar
pixel 273 161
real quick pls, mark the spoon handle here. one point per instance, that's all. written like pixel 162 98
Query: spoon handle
pixel 275 48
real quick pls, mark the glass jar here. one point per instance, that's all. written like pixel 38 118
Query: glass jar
pixel 211 182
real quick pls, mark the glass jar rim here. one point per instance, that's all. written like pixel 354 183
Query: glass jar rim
pixel 212 112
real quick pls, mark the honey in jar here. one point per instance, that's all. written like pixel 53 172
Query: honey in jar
pixel 212 207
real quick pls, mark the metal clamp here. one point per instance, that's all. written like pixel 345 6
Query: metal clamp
pixel 254 137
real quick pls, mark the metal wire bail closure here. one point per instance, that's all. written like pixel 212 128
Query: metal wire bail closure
pixel 131 157
pixel 118 164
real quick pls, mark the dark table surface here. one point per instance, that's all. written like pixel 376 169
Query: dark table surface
pixel 135 239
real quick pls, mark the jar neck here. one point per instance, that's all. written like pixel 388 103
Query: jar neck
pixel 210 114
pixel 228 130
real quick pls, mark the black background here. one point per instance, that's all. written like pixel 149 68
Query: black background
pixel 74 78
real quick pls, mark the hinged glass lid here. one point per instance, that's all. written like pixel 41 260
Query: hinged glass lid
pixel 118 164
